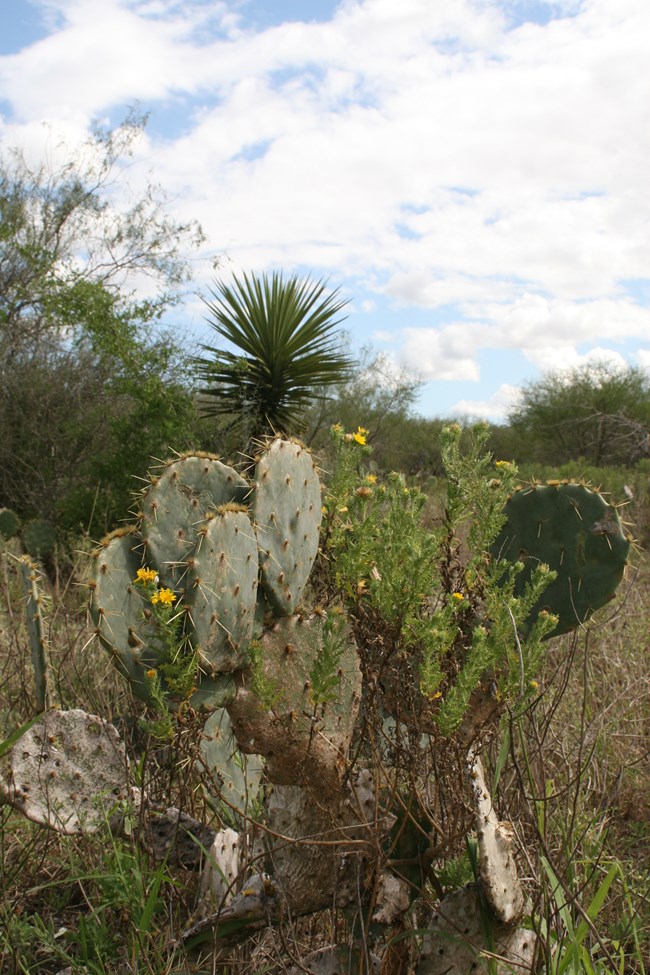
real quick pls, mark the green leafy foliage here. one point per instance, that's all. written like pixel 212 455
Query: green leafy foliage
pixel 91 385
pixel 433 590
pixel 596 412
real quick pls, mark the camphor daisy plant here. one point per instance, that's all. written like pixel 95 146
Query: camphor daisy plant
pixel 174 680
pixel 430 595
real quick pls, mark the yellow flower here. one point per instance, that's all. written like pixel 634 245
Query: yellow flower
pixel 150 674
pixel 534 685
pixel 458 596
pixel 435 697
pixel 146 575
pixel 164 596
pixel 371 478
pixel 360 435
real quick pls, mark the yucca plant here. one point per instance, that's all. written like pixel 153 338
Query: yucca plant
pixel 287 351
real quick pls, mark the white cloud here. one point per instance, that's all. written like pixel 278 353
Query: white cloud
pixel 428 149
pixel 643 359
pixel 496 408
pixel 439 354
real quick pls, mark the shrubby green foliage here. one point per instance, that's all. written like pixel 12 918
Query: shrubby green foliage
pixel 596 412
pixel 440 603
pixel 91 386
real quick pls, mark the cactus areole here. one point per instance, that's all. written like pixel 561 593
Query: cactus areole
pixel 577 534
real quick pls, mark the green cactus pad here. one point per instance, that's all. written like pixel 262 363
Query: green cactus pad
pixel 175 505
pixel 213 692
pixel 124 623
pixel 31 579
pixel 574 531
pixel 9 523
pixel 287 512
pixel 239 775
pixel 305 660
pixel 39 538
pixel 221 592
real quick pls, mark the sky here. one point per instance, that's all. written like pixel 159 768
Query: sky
pixel 473 175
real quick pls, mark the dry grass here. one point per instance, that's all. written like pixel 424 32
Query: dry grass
pixel 585 796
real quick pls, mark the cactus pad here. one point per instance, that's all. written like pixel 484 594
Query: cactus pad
pixel 238 775
pixel 9 523
pixel 221 592
pixel 287 518
pixel 124 624
pixel 31 579
pixel 68 771
pixel 39 538
pixel 574 531
pixel 175 505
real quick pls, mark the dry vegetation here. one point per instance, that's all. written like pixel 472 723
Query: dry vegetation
pixel 575 783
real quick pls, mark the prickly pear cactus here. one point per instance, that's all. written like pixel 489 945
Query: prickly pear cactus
pixel 31 579
pixel 463 939
pixel 9 523
pixel 221 589
pixel 197 536
pixel 39 538
pixel 574 531
pixel 125 625
pixel 287 510
pixel 300 707
pixel 69 771
pixel 176 504
pixel 238 776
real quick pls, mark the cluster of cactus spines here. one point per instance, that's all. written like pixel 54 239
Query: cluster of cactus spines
pixel 197 533
pixel 287 509
pixel 577 534
pixel 35 629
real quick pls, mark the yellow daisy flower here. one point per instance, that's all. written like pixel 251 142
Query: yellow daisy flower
pixel 146 575
pixel 164 596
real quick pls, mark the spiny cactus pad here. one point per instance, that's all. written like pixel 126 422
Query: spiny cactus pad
pixel 9 523
pixel 287 509
pixel 574 531
pixel 32 579
pixel 69 771
pixel 175 505
pixel 238 776
pixel 124 624
pixel 221 592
